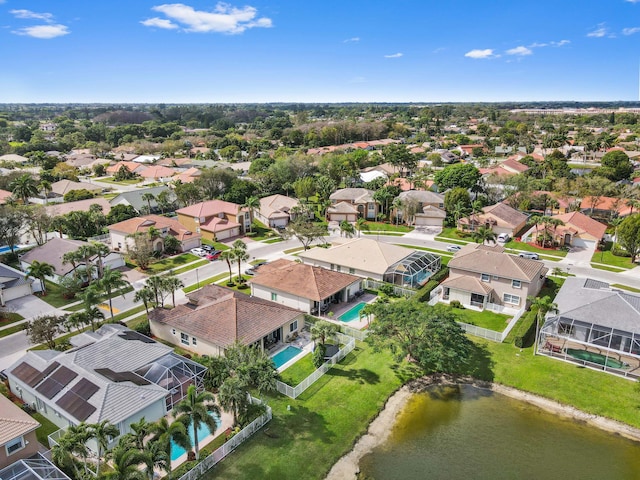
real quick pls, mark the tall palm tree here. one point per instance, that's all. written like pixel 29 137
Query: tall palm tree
pixel 112 281
pixel 101 251
pixel 90 298
pixel 139 431
pixel 322 330
pixel 146 296
pixel 361 225
pixel 252 204
pixel 148 197
pixel 86 252
pixel 240 255
pixel 484 235
pixel 171 284
pixel 125 462
pixel 544 306
pixel 23 187
pixel 154 283
pixel 197 409
pixel 229 257
pixel 72 444
pixel 164 433
pixel 232 396
pixel 40 270
pixel 45 186
pixel 397 205
pixel 535 220
pixel 346 228
pixel 102 432
pixel 154 456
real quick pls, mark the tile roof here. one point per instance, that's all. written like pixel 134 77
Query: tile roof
pixel 210 208
pixel 81 205
pixel 467 284
pixel 492 260
pixel 583 224
pixel 131 166
pixel 14 422
pixel 608 204
pixel 306 281
pixel 429 211
pixel 64 186
pixel 353 195
pixel 342 207
pixel 145 222
pixel 277 206
pixel 422 196
pixel 508 215
pixel 223 316
pixel 52 253
pixel 157 171
pixel 217 224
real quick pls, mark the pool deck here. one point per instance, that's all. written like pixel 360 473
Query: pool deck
pixel 303 342
pixel 341 308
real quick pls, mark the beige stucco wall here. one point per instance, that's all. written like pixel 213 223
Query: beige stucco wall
pixel 30 442
pixel 343 269
pixel 283 298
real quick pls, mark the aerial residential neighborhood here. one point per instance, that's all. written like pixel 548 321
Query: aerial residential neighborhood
pixel 297 242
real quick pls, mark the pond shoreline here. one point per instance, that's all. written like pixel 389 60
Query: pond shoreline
pixel 348 466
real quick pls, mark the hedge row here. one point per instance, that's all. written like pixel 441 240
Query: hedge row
pixel 424 293
pixel 524 332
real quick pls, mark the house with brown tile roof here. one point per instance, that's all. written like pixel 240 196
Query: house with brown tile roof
pixel 121 233
pixel 304 287
pixel 188 176
pixel 578 230
pixel 482 274
pixel 501 218
pixel 606 207
pixel 275 210
pixel 421 207
pixel 17 433
pixel 215 219
pixel 78 206
pixel 158 173
pixel 216 318
pixel 133 167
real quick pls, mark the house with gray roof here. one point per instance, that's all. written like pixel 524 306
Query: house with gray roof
pixel 113 374
pixel 360 199
pixel 421 208
pixel 480 275
pixel 595 325
pixel 13 284
pixel 134 198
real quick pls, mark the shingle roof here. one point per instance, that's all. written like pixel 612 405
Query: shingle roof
pixel 10 277
pixel 493 260
pixel 583 224
pixel 223 316
pixel 306 281
pixel 52 253
pixel 504 212
pixel 14 422
pixel 134 197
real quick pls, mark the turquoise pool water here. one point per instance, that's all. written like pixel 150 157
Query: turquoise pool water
pixel 6 249
pixel 352 314
pixel 203 432
pixel 283 356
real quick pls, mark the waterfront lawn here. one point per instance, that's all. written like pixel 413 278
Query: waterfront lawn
pixel 298 371
pixel 485 319
pixel 305 440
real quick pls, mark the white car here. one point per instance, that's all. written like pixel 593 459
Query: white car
pixel 199 252
pixel 529 255
pixel 453 248
pixel 503 237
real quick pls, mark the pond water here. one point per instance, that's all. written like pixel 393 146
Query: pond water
pixel 464 432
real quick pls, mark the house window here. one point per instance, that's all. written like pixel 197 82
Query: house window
pixel 119 245
pixel 337 268
pixel 14 445
pixel 371 207
pixel 293 326
pixel 274 297
pixel 173 331
pixel 194 341
pixel 352 271
pixel 333 267
pixel 184 339
pixel 511 299
pixel 516 283
pixel 495 277
pixel 485 277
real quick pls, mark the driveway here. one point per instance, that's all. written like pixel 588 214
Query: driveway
pixel 579 256
pixel 31 306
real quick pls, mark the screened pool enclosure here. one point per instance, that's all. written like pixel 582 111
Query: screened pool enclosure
pixel 413 271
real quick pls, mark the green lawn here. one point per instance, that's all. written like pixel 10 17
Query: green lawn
pixel 610 259
pixel 608 269
pixel 293 250
pixel 216 245
pixel 274 240
pixel 512 244
pixel 309 434
pixel 174 262
pixel 387 227
pixel 625 287
pixel 206 281
pixel 257 261
pixel 133 181
pixel 198 264
pixel 9 318
pixel 386 234
pixel 260 231
pixel 485 319
pixel 102 298
pixel 54 296
pixel 451 233
pixel 128 313
pixel 46 428
pixel 11 330
pixel 133 323
pixel 298 371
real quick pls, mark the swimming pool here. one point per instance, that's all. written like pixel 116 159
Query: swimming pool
pixel 283 356
pixel 177 451
pixel 353 313
pixel 6 249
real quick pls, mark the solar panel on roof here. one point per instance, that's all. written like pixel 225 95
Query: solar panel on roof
pixel 85 389
pixel 47 371
pixel 56 382
pixel 122 376
pixel 28 374
pixel 76 406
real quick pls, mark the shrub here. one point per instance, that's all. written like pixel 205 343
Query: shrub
pixel 318 355
pixel 456 304
pixel 387 289
pixel 144 328
pixel 620 252
pixel 75 195
pixel 524 332
pixel 424 293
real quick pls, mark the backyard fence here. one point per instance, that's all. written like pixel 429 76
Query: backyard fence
pixel 106 238
pixel 349 331
pixel 434 296
pixel 295 392
pixel 217 455
pixel 481 332
pixel 513 322
pixel 398 290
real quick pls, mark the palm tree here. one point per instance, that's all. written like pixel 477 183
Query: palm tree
pixel 361 225
pixel 476 207
pixel 45 186
pixel 146 296
pixel 24 187
pixel 484 235
pixel 164 433
pixel 85 252
pixel 125 462
pixel 40 270
pixel 91 298
pixel 172 283
pixel 233 396
pixel 148 197
pixel 346 228
pixel 163 201
pixel 101 251
pixel 154 456
pixel 240 255
pixel 112 281
pixel 197 409
pixel 252 204
pixel 458 211
pixel 535 220
pixel 544 306
pixel 397 205
pixel 154 283
pixel 139 431
pixel 73 444
pixel 229 257
pixel 322 330
pixel 102 432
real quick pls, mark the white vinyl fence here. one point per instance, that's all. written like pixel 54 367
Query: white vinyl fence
pixel 398 290
pixel 295 392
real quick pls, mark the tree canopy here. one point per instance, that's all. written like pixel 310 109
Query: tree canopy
pixel 462 175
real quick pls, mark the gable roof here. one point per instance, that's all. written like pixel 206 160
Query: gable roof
pixel 361 253
pixel 492 260
pixel 14 422
pixel 508 215
pixel 422 196
pixel 342 207
pixel 468 284
pixel 429 211
pixel 145 222
pixel 10 277
pixel 157 171
pixel 583 224
pixel 223 316
pixel 306 281
pixel 277 206
pixel 131 166
pixel 210 208
pixel 56 209
pixel 608 204
pixel 64 186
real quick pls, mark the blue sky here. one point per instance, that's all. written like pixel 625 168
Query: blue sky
pixel 146 51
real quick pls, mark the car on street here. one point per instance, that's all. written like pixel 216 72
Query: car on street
pixel 213 255
pixel 199 252
pixel 529 255
pixel 453 248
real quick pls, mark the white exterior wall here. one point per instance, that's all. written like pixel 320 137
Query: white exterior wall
pixel 343 269
pixel 55 415
pixel 113 260
pixel 120 241
pixel 151 413
pixel 283 298
pixel 17 292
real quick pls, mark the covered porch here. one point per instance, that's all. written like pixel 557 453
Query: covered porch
pixel 470 292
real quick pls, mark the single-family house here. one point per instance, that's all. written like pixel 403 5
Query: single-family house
pixel 360 199
pixel 606 207
pixel 113 374
pixel 158 173
pixel 156 228
pixel 140 204
pixel 188 176
pixel 304 287
pixel 380 261
pixel 13 284
pixel 421 208
pixel 577 230
pixel 482 274
pixel 13 157
pixel 501 218
pixel 595 325
pixel 62 187
pixel 215 318
pixel 78 206
pixel 276 210
pixel 53 252
pixel 132 167
pixel 507 168
pixel 216 219
pixel 17 433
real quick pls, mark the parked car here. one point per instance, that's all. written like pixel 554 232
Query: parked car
pixel 254 269
pixel 199 252
pixel 503 238
pixel 453 248
pixel 213 255
pixel 207 248
pixel 530 255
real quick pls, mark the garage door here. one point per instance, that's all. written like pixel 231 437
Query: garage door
pixel 580 243
pixel 338 217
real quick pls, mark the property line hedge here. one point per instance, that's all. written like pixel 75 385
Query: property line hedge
pixel 424 292
pixel 524 331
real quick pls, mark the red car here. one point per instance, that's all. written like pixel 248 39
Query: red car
pixel 213 255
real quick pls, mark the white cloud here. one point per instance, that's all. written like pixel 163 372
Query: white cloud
pixel 630 31
pixel 350 40
pixel 522 51
pixel 159 23
pixel 561 43
pixel 224 18
pixel 394 55
pixel 44 31
pixel 598 32
pixel 47 17
pixel 478 53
